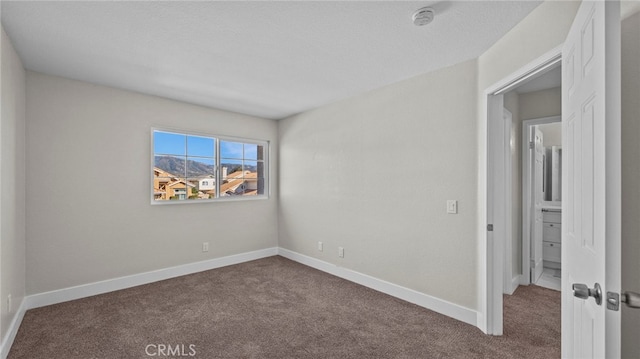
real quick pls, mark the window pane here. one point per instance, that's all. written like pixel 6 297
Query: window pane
pixel 168 143
pixel 231 168
pixel 172 166
pixel 178 189
pixel 206 187
pixel 198 167
pixel 251 151
pixel 260 170
pixel 252 167
pixel 193 191
pixel 260 186
pixel 251 185
pixel 200 146
pixel 232 186
pixel 231 150
pixel 160 182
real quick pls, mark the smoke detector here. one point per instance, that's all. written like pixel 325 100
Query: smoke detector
pixel 423 16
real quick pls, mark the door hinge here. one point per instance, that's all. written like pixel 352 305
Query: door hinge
pixel 532 145
pixel 490 227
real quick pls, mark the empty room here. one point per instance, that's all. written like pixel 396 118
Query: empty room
pixel 320 179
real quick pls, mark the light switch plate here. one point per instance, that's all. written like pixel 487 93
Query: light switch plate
pixel 452 206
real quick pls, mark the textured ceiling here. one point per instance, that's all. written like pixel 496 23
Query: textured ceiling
pixel 268 59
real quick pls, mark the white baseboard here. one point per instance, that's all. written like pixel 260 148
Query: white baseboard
pixel 110 285
pixel 515 282
pixel 7 341
pixel 437 305
pixel 90 289
pixel 86 290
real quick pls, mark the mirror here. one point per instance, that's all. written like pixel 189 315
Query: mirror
pixel 553 174
pixel 552 161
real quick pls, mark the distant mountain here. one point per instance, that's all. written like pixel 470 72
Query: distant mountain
pixel 176 166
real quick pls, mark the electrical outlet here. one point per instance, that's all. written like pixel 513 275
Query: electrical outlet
pixel 320 246
pixel 340 252
pixel 9 303
pixel 205 246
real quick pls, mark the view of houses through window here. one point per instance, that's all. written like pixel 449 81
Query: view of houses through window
pixel 198 167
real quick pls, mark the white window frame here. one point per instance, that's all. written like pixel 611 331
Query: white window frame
pixel 218 173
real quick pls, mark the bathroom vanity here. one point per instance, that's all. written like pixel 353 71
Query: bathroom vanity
pixel 551 237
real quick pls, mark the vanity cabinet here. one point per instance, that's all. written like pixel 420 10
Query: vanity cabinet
pixel 551 237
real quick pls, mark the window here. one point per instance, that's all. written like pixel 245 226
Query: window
pixel 200 167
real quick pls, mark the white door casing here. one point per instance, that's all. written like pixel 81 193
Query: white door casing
pixel 591 189
pixel 538 183
pixel 556 180
pixel 509 285
pixel 496 213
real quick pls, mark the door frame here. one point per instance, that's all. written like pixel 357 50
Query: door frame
pixel 527 201
pixel 508 285
pixel 492 212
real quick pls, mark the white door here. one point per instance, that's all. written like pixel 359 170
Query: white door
pixel 538 183
pixel 591 191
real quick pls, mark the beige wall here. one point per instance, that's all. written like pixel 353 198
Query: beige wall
pixel 631 178
pixel 12 189
pixel 538 104
pixel 83 138
pixel 552 134
pixel 544 29
pixel 373 173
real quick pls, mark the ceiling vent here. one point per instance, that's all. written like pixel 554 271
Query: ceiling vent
pixel 423 16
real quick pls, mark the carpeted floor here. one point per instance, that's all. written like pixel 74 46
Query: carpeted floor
pixel 276 308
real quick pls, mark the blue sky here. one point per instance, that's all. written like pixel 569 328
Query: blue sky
pixel 167 143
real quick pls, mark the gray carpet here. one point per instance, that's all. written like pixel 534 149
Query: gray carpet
pixel 276 308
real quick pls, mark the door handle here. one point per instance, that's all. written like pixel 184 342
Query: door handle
pixel 583 292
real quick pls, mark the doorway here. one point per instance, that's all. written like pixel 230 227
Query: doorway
pixel 541 208
pixel 505 253
pixel 592 185
pixel 532 238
